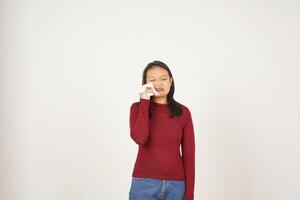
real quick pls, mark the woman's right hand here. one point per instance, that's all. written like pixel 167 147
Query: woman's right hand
pixel 144 95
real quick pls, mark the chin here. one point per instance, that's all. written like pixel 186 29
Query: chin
pixel 160 96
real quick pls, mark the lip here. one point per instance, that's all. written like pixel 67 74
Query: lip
pixel 159 89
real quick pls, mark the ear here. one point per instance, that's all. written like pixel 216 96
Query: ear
pixel 171 80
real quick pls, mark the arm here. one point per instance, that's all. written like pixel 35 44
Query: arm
pixel 188 154
pixel 139 121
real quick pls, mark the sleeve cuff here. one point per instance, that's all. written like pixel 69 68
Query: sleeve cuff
pixel 188 197
pixel 145 101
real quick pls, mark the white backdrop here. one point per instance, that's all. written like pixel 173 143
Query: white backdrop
pixel 70 70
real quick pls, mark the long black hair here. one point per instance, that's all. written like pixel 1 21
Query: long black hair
pixel 174 107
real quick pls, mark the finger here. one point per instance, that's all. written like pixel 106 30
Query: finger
pixel 149 90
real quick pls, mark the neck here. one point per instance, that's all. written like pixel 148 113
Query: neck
pixel 161 100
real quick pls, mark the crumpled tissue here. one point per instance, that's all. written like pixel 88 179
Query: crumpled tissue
pixel 142 89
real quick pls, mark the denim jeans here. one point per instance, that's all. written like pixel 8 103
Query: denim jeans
pixel 156 189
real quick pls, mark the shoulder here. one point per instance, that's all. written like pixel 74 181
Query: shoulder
pixel 186 114
pixel 142 102
pixel 134 104
pixel 185 109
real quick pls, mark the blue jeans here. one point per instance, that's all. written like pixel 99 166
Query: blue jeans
pixel 156 189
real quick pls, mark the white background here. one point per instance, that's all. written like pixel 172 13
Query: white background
pixel 70 70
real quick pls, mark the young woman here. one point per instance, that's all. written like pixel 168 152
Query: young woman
pixel 159 125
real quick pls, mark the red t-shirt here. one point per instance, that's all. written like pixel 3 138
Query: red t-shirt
pixel 159 139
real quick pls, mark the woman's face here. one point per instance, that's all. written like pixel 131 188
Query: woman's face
pixel 160 80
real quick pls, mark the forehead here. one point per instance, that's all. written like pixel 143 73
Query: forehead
pixel 157 72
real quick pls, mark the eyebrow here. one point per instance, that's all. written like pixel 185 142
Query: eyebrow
pixel 154 76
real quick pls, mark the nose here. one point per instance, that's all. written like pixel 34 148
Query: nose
pixel 157 83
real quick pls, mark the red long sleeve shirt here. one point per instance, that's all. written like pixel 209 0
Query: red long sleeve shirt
pixel 159 139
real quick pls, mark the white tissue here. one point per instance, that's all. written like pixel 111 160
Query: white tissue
pixel 142 89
